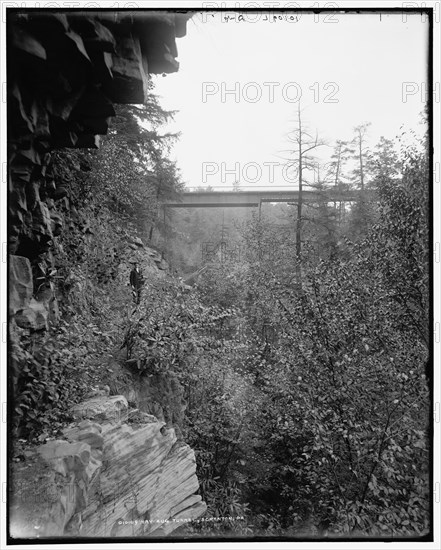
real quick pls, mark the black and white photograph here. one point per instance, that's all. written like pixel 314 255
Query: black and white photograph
pixel 220 274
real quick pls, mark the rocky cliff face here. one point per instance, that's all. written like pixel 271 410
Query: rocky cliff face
pixel 118 472
pixel 65 73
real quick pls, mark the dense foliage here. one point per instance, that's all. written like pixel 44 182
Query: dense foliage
pixel 105 191
pixel 333 369
pixel 305 379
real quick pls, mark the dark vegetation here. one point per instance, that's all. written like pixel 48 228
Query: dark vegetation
pixel 305 374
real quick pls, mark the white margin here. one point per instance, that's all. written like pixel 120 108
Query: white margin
pixel 265 5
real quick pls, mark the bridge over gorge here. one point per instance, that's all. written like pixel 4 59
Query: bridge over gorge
pixel 255 198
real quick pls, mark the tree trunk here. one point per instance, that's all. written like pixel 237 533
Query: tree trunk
pixel 299 209
pixel 361 161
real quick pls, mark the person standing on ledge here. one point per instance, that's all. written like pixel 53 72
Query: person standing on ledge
pixel 136 282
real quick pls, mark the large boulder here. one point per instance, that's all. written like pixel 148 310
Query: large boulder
pixel 125 477
pixel 34 317
pixel 20 283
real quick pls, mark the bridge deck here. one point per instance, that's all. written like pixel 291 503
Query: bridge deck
pixel 230 199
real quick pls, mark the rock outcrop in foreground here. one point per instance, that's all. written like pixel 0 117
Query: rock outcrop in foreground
pixel 119 473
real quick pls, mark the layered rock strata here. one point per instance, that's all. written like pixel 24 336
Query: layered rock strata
pixel 118 473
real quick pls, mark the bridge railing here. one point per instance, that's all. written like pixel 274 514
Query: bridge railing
pixel 247 189
pixel 323 186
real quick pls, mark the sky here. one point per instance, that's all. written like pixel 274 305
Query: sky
pixel 346 69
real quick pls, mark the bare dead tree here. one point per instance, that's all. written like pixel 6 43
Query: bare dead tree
pixel 360 151
pixel 302 161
